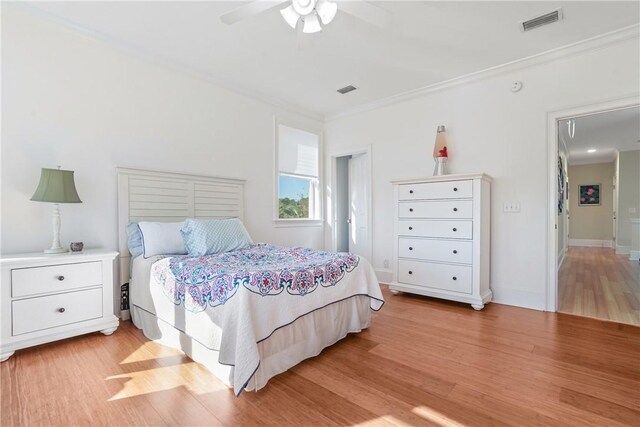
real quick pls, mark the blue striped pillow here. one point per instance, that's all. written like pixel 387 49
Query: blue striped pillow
pixel 214 236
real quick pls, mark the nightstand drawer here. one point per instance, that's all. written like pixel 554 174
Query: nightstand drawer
pixel 34 314
pixel 55 278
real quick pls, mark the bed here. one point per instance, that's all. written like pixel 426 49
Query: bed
pixel 249 314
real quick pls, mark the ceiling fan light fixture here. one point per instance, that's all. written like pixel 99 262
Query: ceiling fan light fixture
pixel 290 15
pixel 326 10
pixel 311 24
pixel 303 7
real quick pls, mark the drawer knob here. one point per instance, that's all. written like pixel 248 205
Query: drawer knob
pixel 61 278
pixel 410 228
pixel 455 209
pixel 455 251
pixel 455 188
pixel 410 248
pixel 61 310
pixel 455 278
pixel 455 229
pixel 410 191
pixel 410 209
pixel 410 272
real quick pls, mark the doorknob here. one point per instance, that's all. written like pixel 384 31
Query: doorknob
pixel 349 221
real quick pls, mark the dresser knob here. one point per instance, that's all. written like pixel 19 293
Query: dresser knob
pixel 455 209
pixel 61 278
pixel 455 252
pixel 410 191
pixel 410 228
pixel 455 278
pixel 410 209
pixel 455 229
pixel 410 248
pixel 410 272
pixel 455 188
pixel 61 310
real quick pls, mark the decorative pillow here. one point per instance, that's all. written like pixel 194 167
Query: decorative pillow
pixel 134 239
pixel 214 236
pixel 161 238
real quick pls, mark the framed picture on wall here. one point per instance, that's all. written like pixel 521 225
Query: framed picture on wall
pixel 589 195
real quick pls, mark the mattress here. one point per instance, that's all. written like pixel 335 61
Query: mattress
pixel 255 313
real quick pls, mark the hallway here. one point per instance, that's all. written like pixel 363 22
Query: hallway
pixel 595 282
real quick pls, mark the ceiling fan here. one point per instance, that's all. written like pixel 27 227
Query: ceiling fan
pixel 310 12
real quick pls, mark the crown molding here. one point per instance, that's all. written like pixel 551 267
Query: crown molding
pixel 148 56
pixel 586 45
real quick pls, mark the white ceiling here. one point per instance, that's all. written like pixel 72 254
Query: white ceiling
pixel 426 43
pixel 605 132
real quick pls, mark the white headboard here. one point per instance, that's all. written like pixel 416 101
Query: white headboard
pixel 147 195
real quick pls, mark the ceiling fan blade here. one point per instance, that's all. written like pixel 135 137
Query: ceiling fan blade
pixel 365 11
pixel 249 9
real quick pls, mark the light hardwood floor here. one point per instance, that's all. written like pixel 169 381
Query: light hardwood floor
pixel 596 282
pixel 422 362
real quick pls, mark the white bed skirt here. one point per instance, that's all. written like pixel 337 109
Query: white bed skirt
pixel 285 348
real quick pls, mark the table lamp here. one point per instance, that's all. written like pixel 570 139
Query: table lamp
pixel 56 186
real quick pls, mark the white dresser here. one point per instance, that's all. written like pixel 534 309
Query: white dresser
pixel 441 237
pixel 46 297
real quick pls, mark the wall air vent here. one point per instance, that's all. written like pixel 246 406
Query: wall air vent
pixel 347 89
pixel 539 21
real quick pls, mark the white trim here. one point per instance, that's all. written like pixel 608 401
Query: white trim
pixel 551 297
pixel 634 255
pixel 623 250
pixel 591 243
pixel 331 216
pixel 141 53
pixel 296 222
pixel 561 257
pixel 593 43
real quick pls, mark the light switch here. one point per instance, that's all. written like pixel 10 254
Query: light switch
pixel 632 210
pixel 511 207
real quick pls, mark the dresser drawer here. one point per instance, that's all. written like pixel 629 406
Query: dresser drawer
pixel 454 229
pixel 436 190
pixel 436 209
pixel 34 314
pixel 459 251
pixel 456 278
pixel 55 278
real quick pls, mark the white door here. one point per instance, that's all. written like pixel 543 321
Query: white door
pixel 359 193
pixel 615 209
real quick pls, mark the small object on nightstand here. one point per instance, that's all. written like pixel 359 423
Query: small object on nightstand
pixel 76 246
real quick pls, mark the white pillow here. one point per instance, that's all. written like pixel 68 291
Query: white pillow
pixel 161 238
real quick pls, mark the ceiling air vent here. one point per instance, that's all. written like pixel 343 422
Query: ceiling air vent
pixel 347 89
pixel 539 21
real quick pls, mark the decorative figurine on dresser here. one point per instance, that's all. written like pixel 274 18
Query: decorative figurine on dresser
pixel 441 238
pixel 46 297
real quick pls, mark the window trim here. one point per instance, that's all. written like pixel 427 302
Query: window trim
pixel 296 222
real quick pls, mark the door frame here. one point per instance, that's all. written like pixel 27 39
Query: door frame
pixel 552 180
pixel 331 196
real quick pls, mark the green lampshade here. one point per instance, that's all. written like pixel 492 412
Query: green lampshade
pixel 56 186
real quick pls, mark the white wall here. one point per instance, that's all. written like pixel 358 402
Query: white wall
pixel 628 196
pixel 491 130
pixel 71 100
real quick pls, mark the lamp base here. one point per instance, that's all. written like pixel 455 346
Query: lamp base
pixel 56 251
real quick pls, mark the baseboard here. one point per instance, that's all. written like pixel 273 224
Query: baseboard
pixel 532 300
pixel 634 255
pixel 384 275
pixel 591 243
pixel 623 250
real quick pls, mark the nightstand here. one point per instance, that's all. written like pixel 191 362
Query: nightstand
pixel 45 298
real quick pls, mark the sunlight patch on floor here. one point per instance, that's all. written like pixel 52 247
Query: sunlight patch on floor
pixel 434 416
pixel 165 378
pixel 149 351
pixel 385 420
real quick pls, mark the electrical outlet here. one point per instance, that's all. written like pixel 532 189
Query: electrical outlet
pixel 386 263
pixel 511 207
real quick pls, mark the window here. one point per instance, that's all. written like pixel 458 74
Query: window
pixel 298 154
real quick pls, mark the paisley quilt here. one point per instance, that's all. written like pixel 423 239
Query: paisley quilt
pixel 252 292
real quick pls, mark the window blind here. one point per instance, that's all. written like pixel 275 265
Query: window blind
pixel 298 152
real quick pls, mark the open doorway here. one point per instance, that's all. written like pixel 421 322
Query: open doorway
pixel 598 215
pixel 351 200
